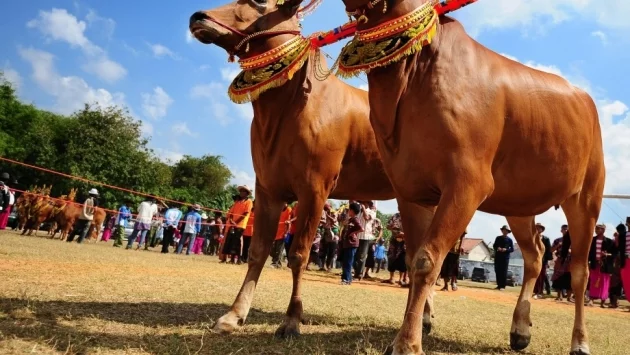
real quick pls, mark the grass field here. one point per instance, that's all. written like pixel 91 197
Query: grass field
pixel 57 297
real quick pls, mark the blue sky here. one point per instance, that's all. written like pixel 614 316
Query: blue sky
pixel 61 54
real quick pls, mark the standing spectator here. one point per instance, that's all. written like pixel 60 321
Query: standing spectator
pixel 124 214
pixel 83 224
pixel 350 242
pixel 561 278
pixel 615 279
pixel 291 228
pixel 247 235
pixel 192 226
pixel 503 247
pixel 330 238
pixel 7 199
pixel 146 211
pixel 396 259
pixel 155 235
pixel 172 216
pixel 377 230
pixel 217 232
pixel 110 223
pixel 237 219
pixel 380 254
pixel 624 261
pixel 450 267
pixel 600 261
pixel 200 239
pixel 278 243
pixel 542 280
pixel 366 217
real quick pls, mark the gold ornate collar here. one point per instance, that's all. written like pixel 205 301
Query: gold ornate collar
pixel 389 42
pixel 269 70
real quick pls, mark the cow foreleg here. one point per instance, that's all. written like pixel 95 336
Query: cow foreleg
pixel 267 212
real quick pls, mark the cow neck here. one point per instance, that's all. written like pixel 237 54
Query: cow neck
pixel 389 42
pixel 269 70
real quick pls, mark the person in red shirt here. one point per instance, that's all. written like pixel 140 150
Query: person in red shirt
pixel 291 225
pixel 350 243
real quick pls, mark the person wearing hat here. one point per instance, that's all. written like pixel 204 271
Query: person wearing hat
pixel 237 219
pixel 83 224
pixel 217 234
pixel 192 227
pixel 601 258
pixel 542 282
pixel 503 247
pixel 450 267
pixel 146 211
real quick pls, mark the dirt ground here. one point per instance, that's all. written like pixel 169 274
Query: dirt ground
pixel 58 297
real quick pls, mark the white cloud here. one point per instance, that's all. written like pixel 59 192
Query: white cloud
pixel 241 177
pixel 365 87
pixel 60 25
pixel 106 69
pixel 146 128
pixel 181 128
pixel 229 73
pixel 204 67
pixel 160 50
pixel 70 92
pixel 12 76
pixel 189 36
pixel 215 93
pixel 168 156
pixel 155 105
pixel 540 14
pixel 107 25
pixel 601 35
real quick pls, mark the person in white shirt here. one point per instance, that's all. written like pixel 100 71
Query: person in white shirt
pixel 366 217
pixel 146 211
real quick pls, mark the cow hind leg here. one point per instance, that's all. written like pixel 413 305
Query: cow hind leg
pixel 532 247
pixel 311 207
pixel 582 211
pixel 267 211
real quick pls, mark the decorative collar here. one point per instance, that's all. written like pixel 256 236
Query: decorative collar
pixel 269 70
pixel 389 42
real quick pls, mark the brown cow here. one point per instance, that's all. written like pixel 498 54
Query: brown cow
pixel 310 139
pixel 70 213
pixel 461 128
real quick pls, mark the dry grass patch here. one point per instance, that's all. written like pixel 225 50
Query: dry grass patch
pixel 58 297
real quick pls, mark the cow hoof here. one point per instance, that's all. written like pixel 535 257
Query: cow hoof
pixel 426 328
pixel 288 330
pixel 519 342
pixel 227 324
pixel 389 350
pixel 580 352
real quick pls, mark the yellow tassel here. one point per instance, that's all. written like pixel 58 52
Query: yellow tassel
pixel 280 2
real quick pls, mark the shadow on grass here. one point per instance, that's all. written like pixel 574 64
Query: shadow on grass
pixel 180 328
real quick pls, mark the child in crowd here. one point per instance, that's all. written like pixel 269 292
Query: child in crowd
pixel 350 243
pixel 396 259
pixel 379 255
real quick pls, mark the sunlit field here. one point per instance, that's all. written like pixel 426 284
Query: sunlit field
pixel 62 298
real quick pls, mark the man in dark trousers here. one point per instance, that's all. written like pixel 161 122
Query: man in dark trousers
pixel 503 247
pixel 542 282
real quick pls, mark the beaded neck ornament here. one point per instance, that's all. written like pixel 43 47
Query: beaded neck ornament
pixel 269 70
pixel 389 42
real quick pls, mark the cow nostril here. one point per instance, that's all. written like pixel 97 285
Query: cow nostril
pixel 197 16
